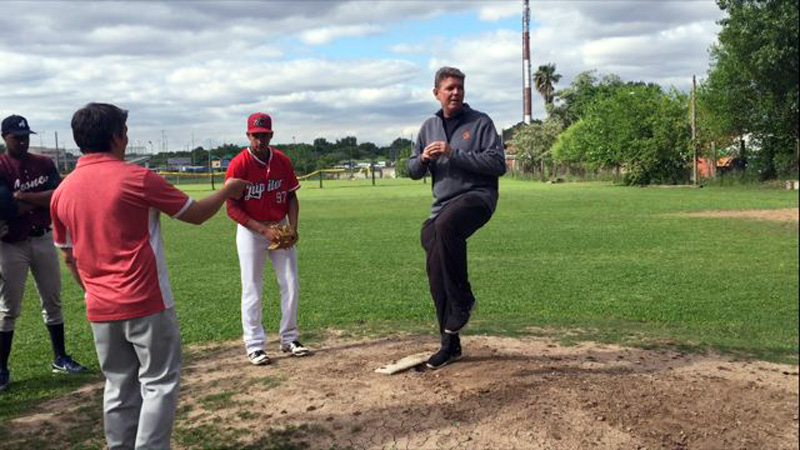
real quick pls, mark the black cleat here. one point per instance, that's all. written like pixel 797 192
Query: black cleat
pixel 441 359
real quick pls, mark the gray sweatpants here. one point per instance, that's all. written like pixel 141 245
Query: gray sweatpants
pixel 141 360
pixel 40 256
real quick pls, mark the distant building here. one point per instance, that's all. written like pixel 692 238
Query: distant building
pixel 220 164
pixel 706 168
pixel 64 160
pixel 177 164
pixel 142 160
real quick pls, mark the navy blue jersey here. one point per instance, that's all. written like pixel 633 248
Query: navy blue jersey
pixel 31 173
pixel 8 207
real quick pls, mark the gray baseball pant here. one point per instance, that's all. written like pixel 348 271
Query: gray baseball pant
pixel 40 256
pixel 141 360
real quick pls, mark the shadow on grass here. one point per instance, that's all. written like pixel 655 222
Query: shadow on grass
pixel 208 437
pixel 25 394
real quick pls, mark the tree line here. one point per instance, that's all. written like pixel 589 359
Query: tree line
pixel 321 154
pixel 746 108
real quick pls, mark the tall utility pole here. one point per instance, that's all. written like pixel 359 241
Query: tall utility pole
pixel 694 130
pixel 526 62
pixel 58 158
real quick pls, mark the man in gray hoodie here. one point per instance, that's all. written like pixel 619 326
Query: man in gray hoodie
pixel 461 150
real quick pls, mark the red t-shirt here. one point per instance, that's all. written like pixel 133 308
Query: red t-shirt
pixel 107 211
pixel 267 198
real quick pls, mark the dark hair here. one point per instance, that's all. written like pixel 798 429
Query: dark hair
pixel 94 126
pixel 447 72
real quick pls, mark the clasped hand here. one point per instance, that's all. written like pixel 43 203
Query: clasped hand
pixel 435 150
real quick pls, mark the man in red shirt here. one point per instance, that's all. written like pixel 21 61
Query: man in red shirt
pixel 270 199
pixel 106 221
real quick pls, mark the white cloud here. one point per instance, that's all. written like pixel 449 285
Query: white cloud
pixel 325 35
pixel 409 49
pixel 493 13
pixel 200 67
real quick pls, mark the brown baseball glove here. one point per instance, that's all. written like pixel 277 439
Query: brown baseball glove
pixel 286 237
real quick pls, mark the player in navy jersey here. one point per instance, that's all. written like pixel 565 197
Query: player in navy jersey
pixel 28 245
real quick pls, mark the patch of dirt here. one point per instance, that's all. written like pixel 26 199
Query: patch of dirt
pixel 781 215
pixel 506 393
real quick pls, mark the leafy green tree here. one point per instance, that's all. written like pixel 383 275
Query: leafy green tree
pixel 752 85
pixel 533 143
pixel 404 148
pixel 302 156
pixel 570 147
pixel 398 146
pixel 200 157
pixel 587 88
pixel 368 150
pixel 545 80
pixel 639 130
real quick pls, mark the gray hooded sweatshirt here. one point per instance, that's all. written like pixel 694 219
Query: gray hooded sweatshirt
pixel 476 161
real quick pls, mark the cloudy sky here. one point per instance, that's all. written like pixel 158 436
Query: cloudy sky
pixel 192 71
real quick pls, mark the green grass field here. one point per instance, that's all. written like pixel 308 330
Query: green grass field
pixel 574 261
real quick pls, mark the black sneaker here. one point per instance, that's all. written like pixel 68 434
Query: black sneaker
pixel 65 364
pixel 441 359
pixel 5 380
pixel 295 348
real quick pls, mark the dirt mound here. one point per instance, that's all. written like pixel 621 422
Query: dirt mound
pixel 781 215
pixel 505 394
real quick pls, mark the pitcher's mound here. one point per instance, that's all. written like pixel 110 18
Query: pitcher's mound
pixel 505 394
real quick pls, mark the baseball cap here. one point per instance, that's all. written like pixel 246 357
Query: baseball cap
pixel 16 125
pixel 259 123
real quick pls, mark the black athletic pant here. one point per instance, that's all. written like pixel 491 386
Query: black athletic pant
pixel 444 239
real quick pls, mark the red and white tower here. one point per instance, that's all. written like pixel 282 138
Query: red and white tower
pixel 526 62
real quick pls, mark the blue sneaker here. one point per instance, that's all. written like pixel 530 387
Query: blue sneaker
pixel 65 364
pixel 5 380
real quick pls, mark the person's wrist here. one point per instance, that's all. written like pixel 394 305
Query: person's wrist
pixel 228 190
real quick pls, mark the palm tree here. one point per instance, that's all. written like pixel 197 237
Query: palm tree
pixel 545 78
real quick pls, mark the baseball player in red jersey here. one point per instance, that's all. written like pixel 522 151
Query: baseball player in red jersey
pixel 270 200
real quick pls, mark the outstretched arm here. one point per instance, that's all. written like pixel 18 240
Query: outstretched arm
pixel 202 210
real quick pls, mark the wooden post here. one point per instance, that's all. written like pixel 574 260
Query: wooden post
pixel 541 170
pixel 714 156
pixel 211 170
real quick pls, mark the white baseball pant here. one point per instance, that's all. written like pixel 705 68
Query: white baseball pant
pixel 253 249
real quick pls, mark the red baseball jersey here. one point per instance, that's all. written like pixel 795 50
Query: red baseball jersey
pixel 267 198
pixel 107 211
